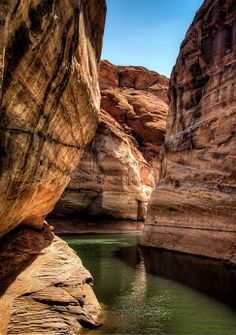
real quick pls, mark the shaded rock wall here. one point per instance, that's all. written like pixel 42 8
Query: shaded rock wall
pixel 112 179
pixel 49 101
pixel 193 208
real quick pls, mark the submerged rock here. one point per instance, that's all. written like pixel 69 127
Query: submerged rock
pixel 193 208
pixel 44 287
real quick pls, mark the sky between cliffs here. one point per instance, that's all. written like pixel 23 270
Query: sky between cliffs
pixel 147 32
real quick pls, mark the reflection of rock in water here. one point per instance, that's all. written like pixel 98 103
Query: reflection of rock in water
pixel 208 276
pixel 137 298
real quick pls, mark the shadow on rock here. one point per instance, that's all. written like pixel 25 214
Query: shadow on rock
pixel 18 249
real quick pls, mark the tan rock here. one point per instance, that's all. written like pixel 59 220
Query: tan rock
pixel 193 208
pixel 112 179
pixel 49 101
pixel 137 99
pixel 46 288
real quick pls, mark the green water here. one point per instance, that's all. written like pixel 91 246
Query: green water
pixel 146 291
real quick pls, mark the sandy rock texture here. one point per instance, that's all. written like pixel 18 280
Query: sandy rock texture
pixel 49 100
pixel 119 168
pixel 193 208
pixel 112 179
pixel 44 287
pixel 137 99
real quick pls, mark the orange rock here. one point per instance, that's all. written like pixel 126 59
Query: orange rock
pixel 137 99
pixel 49 101
pixel 193 208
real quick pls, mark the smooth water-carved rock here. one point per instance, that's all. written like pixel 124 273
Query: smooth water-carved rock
pixel 44 287
pixel 112 180
pixel 137 99
pixel 193 208
pixel 118 171
pixel 49 101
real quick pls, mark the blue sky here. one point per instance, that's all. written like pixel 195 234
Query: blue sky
pixel 147 32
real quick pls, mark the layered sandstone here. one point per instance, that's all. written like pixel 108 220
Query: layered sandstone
pixel 137 99
pixel 49 101
pixel 118 170
pixel 112 180
pixel 44 287
pixel 193 208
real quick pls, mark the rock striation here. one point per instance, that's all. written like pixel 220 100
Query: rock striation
pixel 137 99
pixel 44 287
pixel 193 208
pixel 49 101
pixel 112 180
pixel 117 173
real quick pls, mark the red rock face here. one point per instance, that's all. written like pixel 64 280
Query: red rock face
pixel 117 173
pixel 112 180
pixel 137 99
pixel 194 206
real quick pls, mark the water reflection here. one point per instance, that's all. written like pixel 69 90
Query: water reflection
pixel 148 291
pixel 208 276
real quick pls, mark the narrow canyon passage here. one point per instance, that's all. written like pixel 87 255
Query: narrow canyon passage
pixel 133 168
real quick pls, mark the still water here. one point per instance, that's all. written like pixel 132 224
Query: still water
pixel 146 291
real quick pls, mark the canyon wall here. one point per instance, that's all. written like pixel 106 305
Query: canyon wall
pixel 49 99
pixel 117 173
pixel 112 180
pixel 193 208
pixel 137 99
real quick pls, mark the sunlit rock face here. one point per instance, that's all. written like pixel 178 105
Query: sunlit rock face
pixel 49 100
pixel 112 179
pixel 137 99
pixel 117 173
pixel 44 287
pixel 193 208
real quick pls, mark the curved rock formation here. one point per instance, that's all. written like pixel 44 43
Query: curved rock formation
pixel 44 287
pixel 117 173
pixel 112 179
pixel 49 101
pixel 137 99
pixel 193 208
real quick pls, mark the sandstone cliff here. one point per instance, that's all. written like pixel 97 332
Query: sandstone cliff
pixel 193 208
pixel 137 99
pixel 49 100
pixel 112 179
pixel 118 170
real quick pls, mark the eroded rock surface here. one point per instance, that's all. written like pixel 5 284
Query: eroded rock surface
pixel 49 101
pixel 137 99
pixel 112 179
pixel 193 208
pixel 118 171
pixel 44 287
